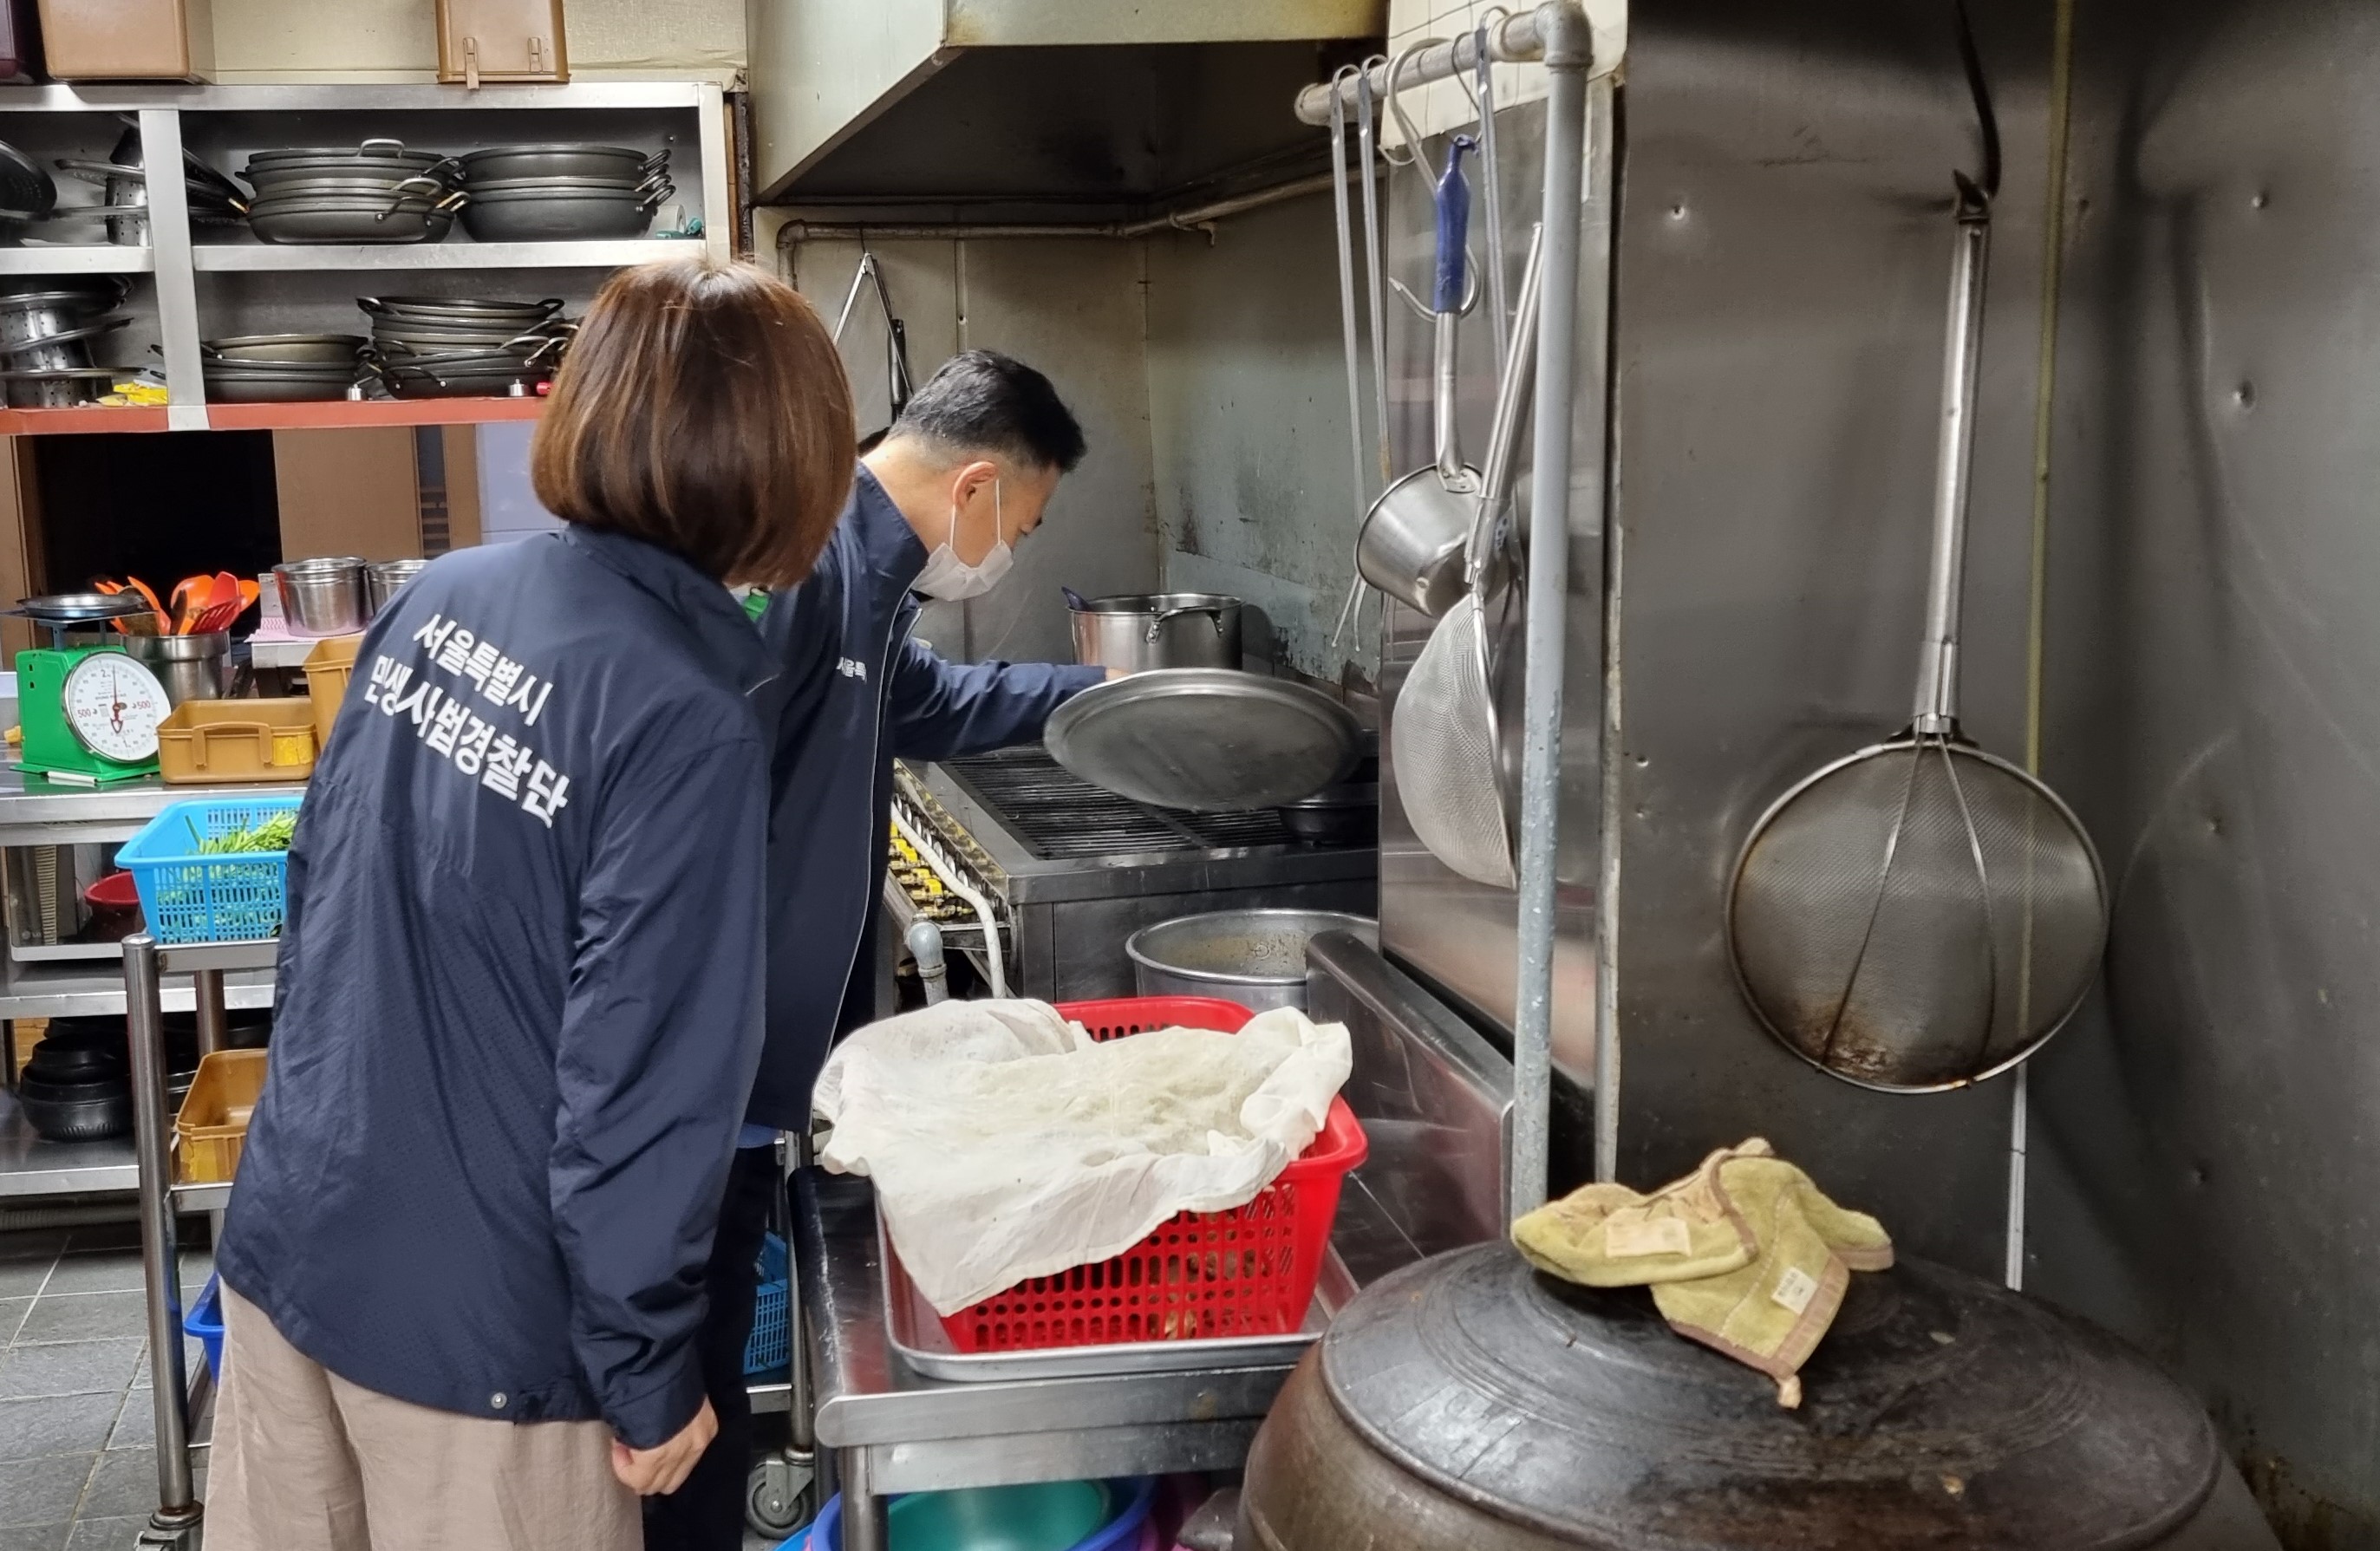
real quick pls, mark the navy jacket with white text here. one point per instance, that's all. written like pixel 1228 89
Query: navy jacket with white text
pixel 519 992
pixel 853 691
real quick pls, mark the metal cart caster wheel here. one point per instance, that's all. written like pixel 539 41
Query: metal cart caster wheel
pixel 781 1495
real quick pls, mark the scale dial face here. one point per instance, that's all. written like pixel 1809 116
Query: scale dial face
pixel 114 705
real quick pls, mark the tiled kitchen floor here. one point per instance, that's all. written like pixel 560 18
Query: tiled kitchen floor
pixel 78 1468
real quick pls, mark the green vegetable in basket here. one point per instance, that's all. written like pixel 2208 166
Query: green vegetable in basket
pixel 273 834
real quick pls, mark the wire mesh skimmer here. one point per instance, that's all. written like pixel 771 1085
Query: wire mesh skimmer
pixel 1922 915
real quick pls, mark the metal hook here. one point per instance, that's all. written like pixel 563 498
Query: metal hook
pixel 1397 109
pixel 1470 289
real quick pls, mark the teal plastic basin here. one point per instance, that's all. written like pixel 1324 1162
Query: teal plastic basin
pixel 1049 1516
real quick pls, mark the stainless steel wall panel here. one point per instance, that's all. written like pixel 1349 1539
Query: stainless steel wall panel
pixel 2211 1160
pixel 1072 308
pixel 1784 267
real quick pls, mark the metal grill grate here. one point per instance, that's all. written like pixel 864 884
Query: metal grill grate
pixel 1058 816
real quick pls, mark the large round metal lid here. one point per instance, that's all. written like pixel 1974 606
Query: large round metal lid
pixel 1940 1411
pixel 80 607
pixel 1209 739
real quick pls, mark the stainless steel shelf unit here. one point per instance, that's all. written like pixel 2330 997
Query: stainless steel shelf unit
pixel 173 117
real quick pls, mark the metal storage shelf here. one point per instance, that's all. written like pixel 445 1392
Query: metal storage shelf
pixel 385 97
pixel 30 1165
pixel 349 412
pixel 240 256
pixel 78 258
pixel 695 116
pixel 85 419
pixel 71 990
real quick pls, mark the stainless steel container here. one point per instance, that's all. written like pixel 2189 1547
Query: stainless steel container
pixel 322 597
pixel 383 579
pixel 1137 631
pixel 191 667
pixel 1254 957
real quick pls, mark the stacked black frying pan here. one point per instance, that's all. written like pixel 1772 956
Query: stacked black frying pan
pixel 382 192
pixel 282 368
pixel 449 347
pixel 551 193
pixel 376 192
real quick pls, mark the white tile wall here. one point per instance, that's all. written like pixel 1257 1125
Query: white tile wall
pixel 1444 106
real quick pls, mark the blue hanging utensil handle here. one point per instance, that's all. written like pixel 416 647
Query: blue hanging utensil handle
pixel 1454 228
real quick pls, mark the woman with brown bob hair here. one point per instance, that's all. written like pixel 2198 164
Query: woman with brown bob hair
pixel 520 976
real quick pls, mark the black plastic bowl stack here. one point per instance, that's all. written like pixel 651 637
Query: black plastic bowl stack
pixel 282 368
pixel 378 193
pixel 557 193
pixel 449 347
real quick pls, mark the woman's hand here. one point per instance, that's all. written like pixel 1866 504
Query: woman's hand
pixel 656 1473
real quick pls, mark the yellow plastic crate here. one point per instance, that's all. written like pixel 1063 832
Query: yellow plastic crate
pixel 213 1126
pixel 208 742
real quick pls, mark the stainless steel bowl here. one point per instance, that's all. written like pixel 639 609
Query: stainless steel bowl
pixel 1254 957
pixel 1139 631
pixel 191 667
pixel 385 579
pixel 322 597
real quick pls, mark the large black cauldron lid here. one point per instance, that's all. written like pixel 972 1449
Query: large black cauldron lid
pixel 1939 1411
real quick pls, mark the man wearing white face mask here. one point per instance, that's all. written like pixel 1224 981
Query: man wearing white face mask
pixel 937 507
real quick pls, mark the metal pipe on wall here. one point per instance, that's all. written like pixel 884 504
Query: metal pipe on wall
pixel 1190 218
pixel 1568 50
pixel 1515 40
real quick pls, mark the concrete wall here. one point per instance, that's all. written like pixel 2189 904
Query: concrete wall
pixel 2208 1140
pixel 1255 483
pixel 1209 380
pixel 1072 308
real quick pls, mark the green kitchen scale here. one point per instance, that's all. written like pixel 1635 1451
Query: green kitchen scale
pixel 89 712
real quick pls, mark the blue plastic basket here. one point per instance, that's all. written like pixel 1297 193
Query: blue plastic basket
pixel 767 1349
pixel 189 896
pixel 204 1321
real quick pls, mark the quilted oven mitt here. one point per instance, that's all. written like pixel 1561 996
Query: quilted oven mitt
pixel 1745 1254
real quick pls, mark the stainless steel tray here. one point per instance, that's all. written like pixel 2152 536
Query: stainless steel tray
pixel 916 1337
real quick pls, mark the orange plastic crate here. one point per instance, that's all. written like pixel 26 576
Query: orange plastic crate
pixel 1204 1275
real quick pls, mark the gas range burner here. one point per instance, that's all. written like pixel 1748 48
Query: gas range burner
pixel 1058 814
pixel 1038 877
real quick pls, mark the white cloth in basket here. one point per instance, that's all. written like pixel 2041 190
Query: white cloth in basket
pixel 1004 1143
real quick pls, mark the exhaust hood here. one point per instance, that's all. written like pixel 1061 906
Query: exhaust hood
pixel 1041 105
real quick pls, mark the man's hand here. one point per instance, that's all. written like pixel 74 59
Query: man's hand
pixel 1115 673
pixel 651 1472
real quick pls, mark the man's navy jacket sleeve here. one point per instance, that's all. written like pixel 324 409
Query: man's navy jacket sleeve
pixel 942 711
pixel 660 1036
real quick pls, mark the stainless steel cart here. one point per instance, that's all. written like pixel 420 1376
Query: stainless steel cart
pixel 181 1398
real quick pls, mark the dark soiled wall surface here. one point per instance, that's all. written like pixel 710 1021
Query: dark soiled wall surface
pixel 2208 1144
pixel 1783 272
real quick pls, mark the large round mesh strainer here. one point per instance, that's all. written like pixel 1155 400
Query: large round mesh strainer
pixel 1921 915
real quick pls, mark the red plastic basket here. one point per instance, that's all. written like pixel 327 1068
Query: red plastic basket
pixel 1204 1275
